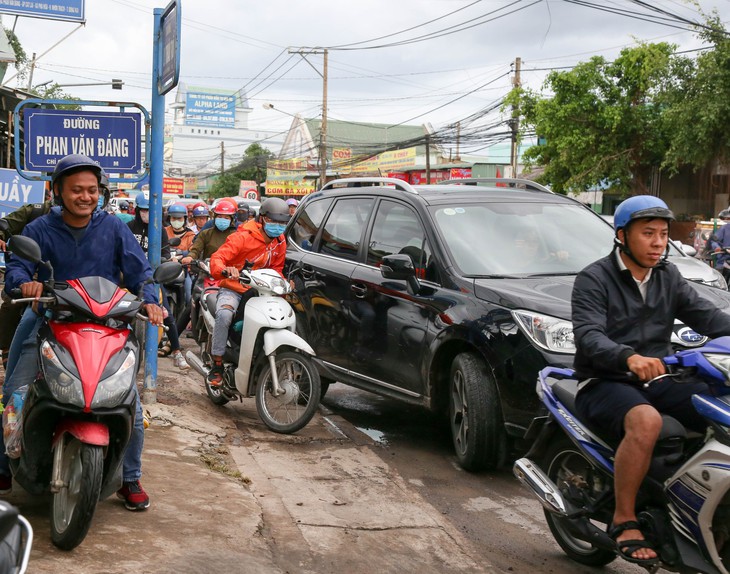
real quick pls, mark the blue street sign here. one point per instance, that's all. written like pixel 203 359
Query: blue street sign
pixel 169 66
pixel 113 139
pixel 69 10
pixel 16 191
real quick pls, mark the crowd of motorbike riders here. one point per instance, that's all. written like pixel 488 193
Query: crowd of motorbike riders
pixel 77 209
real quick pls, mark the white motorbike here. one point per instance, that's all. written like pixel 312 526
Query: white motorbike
pixel 269 360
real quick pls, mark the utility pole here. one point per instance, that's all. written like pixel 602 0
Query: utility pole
pixel 428 159
pixel 458 137
pixel 322 152
pixel 223 155
pixel 30 74
pixel 515 121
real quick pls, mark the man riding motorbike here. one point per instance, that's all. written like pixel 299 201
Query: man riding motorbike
pixel 79 240
pixel 200 217
pixel 624 307
pixel 259 242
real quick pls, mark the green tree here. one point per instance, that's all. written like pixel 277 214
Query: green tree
pixel 251 167
pixel 53 91
pixel 699 112
pixel 602 124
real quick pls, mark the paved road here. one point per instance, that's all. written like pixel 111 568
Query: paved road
pixel 491 509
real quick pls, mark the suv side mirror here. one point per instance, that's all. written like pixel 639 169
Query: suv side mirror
pixel 400 266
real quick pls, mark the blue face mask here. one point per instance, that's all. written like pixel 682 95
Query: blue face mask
pixel 222 223
pixel 274 229
pixel 100 203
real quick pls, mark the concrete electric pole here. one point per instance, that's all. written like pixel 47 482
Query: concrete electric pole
pixel 515 121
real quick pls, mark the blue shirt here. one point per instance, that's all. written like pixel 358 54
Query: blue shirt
pixel 105 248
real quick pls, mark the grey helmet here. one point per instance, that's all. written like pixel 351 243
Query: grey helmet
pixel 275 209
pixel 724 214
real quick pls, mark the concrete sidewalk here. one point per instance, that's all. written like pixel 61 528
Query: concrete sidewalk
pixel 229 495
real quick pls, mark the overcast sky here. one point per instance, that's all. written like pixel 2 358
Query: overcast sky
pixel 237 44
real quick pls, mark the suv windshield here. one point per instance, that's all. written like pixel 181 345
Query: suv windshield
pixel 487 239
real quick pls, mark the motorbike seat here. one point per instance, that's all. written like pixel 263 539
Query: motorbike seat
pixel 567 389
pixel 210 301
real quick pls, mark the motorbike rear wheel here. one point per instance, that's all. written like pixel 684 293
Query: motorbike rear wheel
pixel 74 504
pixel 292 410
pixel 565 465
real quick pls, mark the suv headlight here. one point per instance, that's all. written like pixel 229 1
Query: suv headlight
pixel 64 386
pixel 549 333
pixel 113 389
pixel 718 280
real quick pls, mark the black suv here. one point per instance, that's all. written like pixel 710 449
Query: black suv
pixel 452 296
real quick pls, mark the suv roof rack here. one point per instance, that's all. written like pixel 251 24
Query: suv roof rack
pixel 369 181
pixel 511 181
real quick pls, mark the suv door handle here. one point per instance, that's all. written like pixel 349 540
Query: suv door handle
pixel 359 290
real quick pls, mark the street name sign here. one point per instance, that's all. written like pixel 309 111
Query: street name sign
pixel 113 139
pixel 68 10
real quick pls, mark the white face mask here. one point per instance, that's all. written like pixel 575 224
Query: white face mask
pixel 144 215
pixel 177 224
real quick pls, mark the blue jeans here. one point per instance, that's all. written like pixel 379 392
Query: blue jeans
pixel 22 369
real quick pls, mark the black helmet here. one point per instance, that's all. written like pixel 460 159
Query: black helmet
pixel 123 204
pixel 724 214
pixel 275 209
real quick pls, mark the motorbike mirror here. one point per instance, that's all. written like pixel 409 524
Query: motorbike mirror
pixel 167 272
pixel 25 248
pixel 8 518
pixel 174 242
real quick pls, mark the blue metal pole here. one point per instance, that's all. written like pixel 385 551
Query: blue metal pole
pixel 149 390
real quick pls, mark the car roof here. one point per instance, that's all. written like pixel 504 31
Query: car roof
pixel 476 189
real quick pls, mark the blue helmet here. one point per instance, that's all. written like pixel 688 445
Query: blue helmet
pixel 200 211
pixel 141 202
pixel 177 210
pixel 640 207
pixel 75 161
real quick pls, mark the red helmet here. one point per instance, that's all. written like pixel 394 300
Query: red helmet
pixel 226 206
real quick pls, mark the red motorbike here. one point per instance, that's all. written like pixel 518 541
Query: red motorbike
pixel 78 414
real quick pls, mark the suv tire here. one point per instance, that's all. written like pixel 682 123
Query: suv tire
pixel 474 414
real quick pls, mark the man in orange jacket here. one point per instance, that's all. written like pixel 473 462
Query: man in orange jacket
pixel 259 241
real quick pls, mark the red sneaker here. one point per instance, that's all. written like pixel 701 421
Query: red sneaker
pixel 134 496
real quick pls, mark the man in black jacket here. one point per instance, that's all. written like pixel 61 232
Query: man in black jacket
pixel 624 307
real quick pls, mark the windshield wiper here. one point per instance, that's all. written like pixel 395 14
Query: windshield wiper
pixel 493 276
pixel 563 274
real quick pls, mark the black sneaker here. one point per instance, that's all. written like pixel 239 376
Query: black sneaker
pixel 134 496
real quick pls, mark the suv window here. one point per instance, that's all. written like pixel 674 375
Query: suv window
pixel 307 225
pixel 344 226
pixel 397 229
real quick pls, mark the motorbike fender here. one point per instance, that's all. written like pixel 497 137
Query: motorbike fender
pixel 88 432
pixel 275 338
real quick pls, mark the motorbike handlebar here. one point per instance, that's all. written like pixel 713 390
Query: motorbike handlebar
pixel 145 318
pixel 20 300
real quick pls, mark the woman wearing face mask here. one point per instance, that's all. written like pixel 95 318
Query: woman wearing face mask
pixel 209 240
pixel 178 217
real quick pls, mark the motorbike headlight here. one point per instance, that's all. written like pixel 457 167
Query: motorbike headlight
pixel 114 388
pixel 722 363
pixel 279 286
pixel 549 333
pixel 66 388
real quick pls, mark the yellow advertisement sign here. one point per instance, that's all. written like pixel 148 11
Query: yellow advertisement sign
pixel 342 160
pixel 289 186
pixel 286 168
pixel 191 184
pixel 387 161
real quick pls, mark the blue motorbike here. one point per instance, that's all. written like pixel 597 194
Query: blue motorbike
pixel 683 505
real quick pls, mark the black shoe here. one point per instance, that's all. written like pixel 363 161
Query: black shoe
pixel 215 375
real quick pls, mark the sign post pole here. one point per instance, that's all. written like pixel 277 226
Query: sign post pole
pixel 154 230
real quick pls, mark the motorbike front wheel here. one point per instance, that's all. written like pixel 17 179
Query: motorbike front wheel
pixel 74 504
pixel 300 383
pixel 571 471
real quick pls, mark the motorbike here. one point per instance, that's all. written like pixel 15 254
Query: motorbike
pixel 78 414
pixel 269 360
pixel 175 289
pixel 683 505
pixel 16 539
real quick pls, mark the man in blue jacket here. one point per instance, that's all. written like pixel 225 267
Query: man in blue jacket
pixel 79 240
